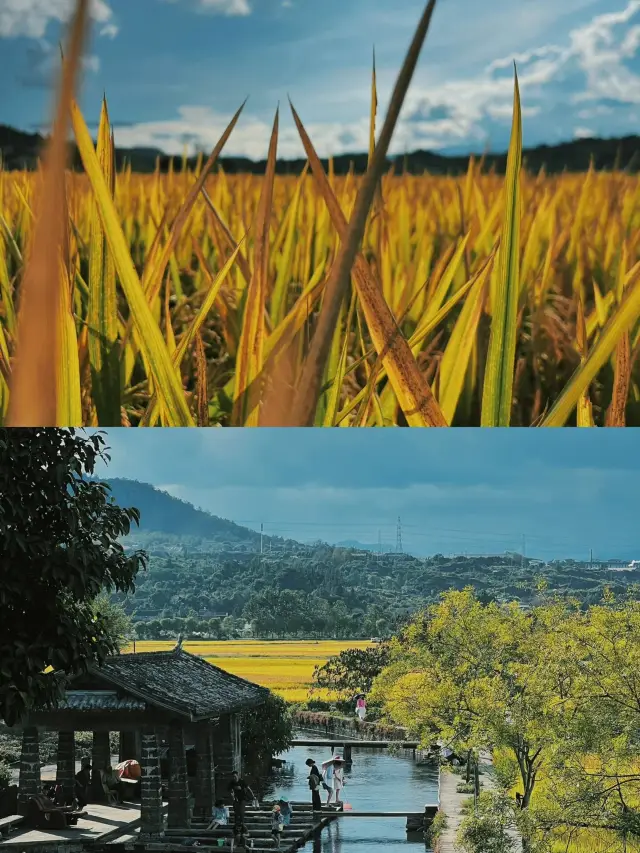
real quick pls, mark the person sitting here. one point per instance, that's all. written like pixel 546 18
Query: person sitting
pixel 111 782
pixel 240 836
pixel 219 815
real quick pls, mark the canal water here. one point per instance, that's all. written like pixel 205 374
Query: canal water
pixel 376 781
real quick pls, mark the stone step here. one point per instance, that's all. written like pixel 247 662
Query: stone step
pixel 215 848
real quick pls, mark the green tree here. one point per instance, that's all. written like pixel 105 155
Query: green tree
pixel 267 730
pixel 490 827
pixel 477 676
pixel 352 671
pixel 215 628
pixel 59 548
pixel 117 623
pixel 598 765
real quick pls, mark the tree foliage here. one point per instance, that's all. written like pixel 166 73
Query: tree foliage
pixel 352 671
pixel 489 829
pixel 117 624
pixel 267 730
pixel 553 691
pixel 59 549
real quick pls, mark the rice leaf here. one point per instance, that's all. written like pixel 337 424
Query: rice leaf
pixel 167 385
pixel 309 386
pixel 497 393
pixel 250 360
pixel 102 315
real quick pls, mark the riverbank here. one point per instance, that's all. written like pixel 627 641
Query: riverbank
pixel 323 722
pixel 452 804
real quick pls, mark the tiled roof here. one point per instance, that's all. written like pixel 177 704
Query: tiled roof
pixel 182 682
pixel 99 700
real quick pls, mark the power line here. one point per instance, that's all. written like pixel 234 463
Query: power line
pixel 426 532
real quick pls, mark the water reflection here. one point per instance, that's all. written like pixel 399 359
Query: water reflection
pixel 376 781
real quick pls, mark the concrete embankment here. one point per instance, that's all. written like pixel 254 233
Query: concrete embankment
pixel 451 804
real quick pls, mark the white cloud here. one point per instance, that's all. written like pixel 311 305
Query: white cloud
pixel 593 58
pixel 561 84
pixel 583 133
pixel 202 127
pixel 31 18
pixel 226 7
pixel 43 64
pixel 221 7
pixel 91 63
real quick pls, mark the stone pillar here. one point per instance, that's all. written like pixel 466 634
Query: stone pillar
pixel 128 749
pixel 236 743
pixel 100 760
pixel 205 773
pixel 66 768
pixel 30 783
pixel 179 816
pixel 151 786
pixel 226 749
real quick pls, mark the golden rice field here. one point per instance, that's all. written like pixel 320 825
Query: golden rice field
pixel 284 667
pixel 429 247
pixel 197 298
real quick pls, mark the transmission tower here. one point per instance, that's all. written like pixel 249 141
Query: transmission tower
pixel 399 537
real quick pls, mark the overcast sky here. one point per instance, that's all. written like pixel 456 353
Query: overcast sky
pixel 475 491
pixel 176 70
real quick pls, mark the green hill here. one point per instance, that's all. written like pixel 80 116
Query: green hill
pixel 163 513
pixel 206 569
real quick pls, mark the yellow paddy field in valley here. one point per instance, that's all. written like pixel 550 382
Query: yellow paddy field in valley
pixel 286 666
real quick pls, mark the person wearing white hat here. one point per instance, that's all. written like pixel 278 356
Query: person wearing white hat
pixel 333 771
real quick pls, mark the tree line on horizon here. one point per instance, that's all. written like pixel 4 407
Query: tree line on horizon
pixel 20 150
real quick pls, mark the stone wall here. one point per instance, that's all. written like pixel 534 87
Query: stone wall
pixel 30 783
pixel 151 789
pixel 348 726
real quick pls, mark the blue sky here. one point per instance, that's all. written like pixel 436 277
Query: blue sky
pixel 474 491
pixel 175 70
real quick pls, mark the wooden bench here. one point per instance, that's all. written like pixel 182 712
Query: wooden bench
pixel 8 824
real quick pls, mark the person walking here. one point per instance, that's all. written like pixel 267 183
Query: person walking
pixel 83 783
pixel 241 794
pixel 361 708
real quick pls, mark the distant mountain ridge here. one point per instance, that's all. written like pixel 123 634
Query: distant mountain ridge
pixel 161 512
pixel 209 569
pixel 20 150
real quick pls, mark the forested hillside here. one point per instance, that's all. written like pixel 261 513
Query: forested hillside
pixel 207 576
pixel 162 512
